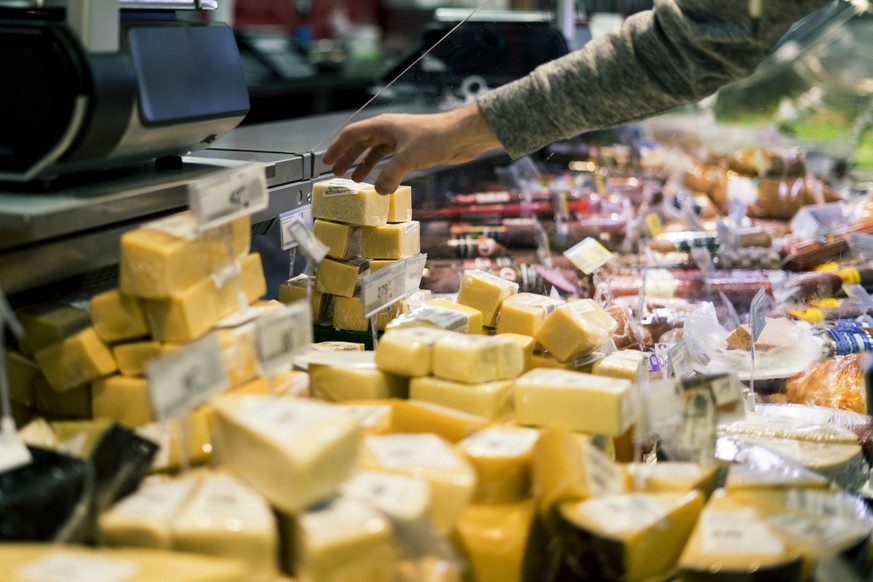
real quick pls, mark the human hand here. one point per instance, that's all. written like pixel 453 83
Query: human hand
pixel 417 142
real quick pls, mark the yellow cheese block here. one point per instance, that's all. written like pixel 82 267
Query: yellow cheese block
pixel 584 402
pixel 374 416
pixel 524 313
pixel 225 518
pixel 343 240
pixel 38 433
pixel 79 359
pixel 491 400
pixel 47 324
pixel 527 344
pixel 238 353
pixel 584 363
pixel 451 478
pixel 391 241
pixel 194 311
pixel 400 205
pixel 73 403
pixel 166 257
pixel 633 537
pixel 294 289
pixel 342 200
pixel 733 540
pixel 79 437
pixel 485 292
pixel 23 375
pixel 289 383
pixel 174 440
pixel 443 314
pixel 408 351
pixel 666 476
pixel 415 416
pixel 293 451
pixel 55 562
pixel 118 317
pixel 402 497
pixel 340 277
pixel 124 399
pixel 577 328
pixel 133 357
pixel 627 364
pixel 342 540
pixel 502 458
pixel 495 540
pixel 376 264
pixel 337 376
pixel 348 314
pixel 475 358
pixel 415 300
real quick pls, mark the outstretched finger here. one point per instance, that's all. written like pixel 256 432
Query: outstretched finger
pixel 391 176
pixel 346 159
pixel 373 157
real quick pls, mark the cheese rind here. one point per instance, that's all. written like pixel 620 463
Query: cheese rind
pixel 502 457
pixel 342 200
pixel 157 262
pixel 193 312
pixel 524 313
pixel 124 399
pixel 391 241
pixel 485 292
pixel 340 277
pixel 476 359
pixel 76 360
pixel 118 317
pixel 400 205
pixel 491 400
pixel 293 451
pixel 408 351
pixel 343 240
pixel 583 402
pixel 577 328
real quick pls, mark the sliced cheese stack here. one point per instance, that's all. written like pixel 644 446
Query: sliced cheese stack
pixel 485 292
pixel 359 226
pixel 524 313
pixel 634 536
pixel 353 375
pixel 451 478
pixel 575 329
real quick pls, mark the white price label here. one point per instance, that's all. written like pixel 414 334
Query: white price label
pixel 414 271
pixel 64 566
pixel 228 195
pixel 679 360
pixel 588 255
pixel 303 215
pixel 732 320
pixel 314 249
pixel 756 313
pixel 726 390
pixel 281 333
pixel 384 287
pixel 182 380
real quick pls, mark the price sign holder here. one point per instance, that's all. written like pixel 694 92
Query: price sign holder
pixel 313 249
pixel 732 320
pixel 13 451
pixel 289 242
pixel 279 335
pixel 757 321
pixel 387 286
pixel 588 256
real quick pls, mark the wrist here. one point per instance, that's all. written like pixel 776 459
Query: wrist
pixel 474 129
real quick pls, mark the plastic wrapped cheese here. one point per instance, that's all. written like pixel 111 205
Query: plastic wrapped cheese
pixel 409 351
pixel 523 313
pixel 496 541
pixel 391 241
pixel 400 205
pixel 47 324
pixel 576 328
pixel 132 357
pixel 338 376
pixel 348 314
pixel 294 289
pixel 444 314
pixel 502 457
pixel 492 400
pixel 340 277
pixel 485 292
pixel 342 200
pixel 118 317
pixel 475 359
pixel 343 240
pixel 76 360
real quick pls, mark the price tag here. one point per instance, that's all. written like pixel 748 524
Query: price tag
pixel 314 249
pixel 679 360
pixel 182 380
pixel 414 271
pixel 732 320
pixel 384 287
pixel 228 195
pixel 653 221
pixel 303 214
pixel 859 294
pixel 588 255
pixel 282 333
pixel 756 314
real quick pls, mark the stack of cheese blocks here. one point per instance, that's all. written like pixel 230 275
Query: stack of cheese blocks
pixel 364 232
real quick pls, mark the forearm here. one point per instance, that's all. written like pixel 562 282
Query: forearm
pixel 677 53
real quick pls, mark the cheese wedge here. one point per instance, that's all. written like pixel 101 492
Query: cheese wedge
pixel 348 314
pixel 495 540
pixel 583 402
pixel 79 359
pixel 485 292
pixel 444 314
pixel 55 562
pixel 166 257
pixel 391 241
pixel 338 376
pixel 668 476
pixel 415 416
pixel 491 400
pixel 133 357
pixel 524 313
pixel 341 540
pixel 340 277
pixel 225 518
pixel 343 240
pixel 634 537
pixel 191 313
pixel 627 364
pixel 47 324
pixel 342 200
pixel 400 205
pixel 402 497
pixel 451 478
pixel 502 457
pixel 293 451
pixel 124 399
pixel 475 359
pixel 118 317
pixel 294 289
pixel 577 328
pixel 408 351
